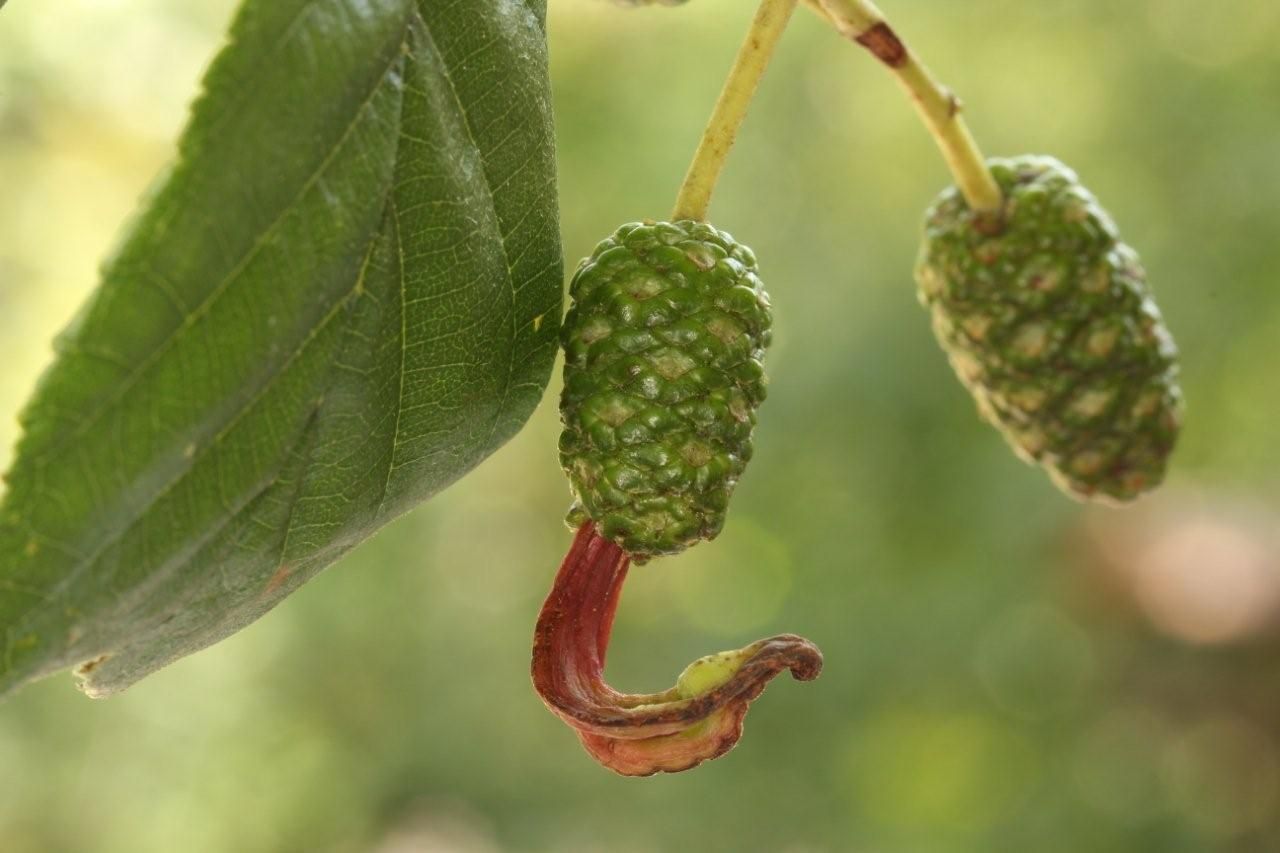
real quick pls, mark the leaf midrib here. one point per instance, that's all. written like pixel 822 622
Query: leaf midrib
pixel 85 561
pixel 211 300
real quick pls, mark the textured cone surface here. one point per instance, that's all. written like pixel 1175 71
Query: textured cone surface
pixel 1047 319
pixel 663 375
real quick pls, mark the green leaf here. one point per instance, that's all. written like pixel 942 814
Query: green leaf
pixel 343 297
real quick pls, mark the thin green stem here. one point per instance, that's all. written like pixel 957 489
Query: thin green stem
pixel 862 22
pixel 731 108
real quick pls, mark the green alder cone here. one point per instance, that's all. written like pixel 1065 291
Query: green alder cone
pixel 663 342
pixel 1047 318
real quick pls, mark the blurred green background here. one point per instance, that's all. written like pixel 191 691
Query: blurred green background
pixel 1006 669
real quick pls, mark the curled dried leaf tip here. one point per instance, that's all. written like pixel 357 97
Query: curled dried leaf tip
pixel 698 719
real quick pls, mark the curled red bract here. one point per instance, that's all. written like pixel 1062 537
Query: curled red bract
pixel 642 734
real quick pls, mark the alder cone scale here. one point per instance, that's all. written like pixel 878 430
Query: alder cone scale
pixel 1047 318
pixel 663 374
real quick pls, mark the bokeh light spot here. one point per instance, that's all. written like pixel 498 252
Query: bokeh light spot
pixel 1116 768
pixel 1206 582
pixel 1224 776
pixel 931 771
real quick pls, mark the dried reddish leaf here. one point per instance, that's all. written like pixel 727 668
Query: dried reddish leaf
pixel 641 734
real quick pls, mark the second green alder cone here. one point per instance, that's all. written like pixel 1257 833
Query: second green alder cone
pixel 1047 318
pixel 664 342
